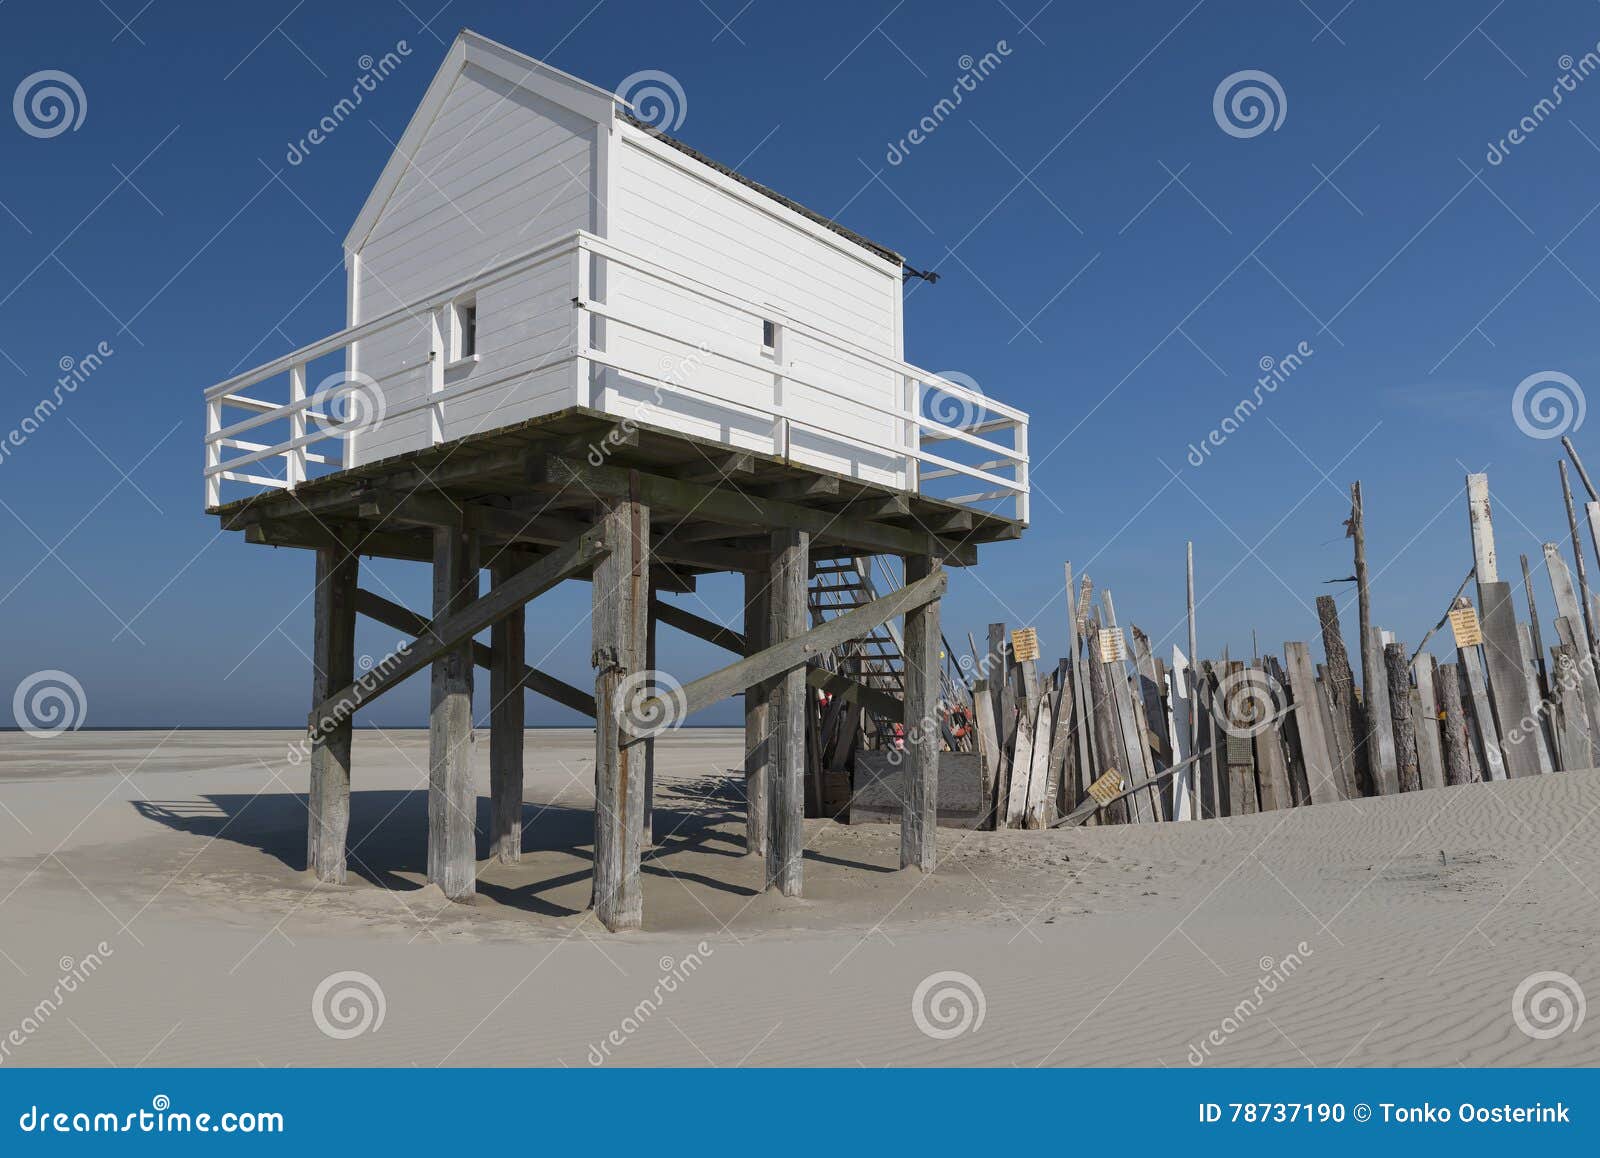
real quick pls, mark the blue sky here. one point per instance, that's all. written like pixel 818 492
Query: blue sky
pixel 1112 261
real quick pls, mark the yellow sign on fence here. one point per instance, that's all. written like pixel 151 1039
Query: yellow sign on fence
pixel 1113 648
pixel 1024 644
pixel 1108 787
pixel 1464 624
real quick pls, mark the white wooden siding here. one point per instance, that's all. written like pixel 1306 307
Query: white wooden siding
pixel 672 210
pixel 498 171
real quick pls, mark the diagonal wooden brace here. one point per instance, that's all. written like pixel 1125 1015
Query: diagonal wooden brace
pixel 449 631
pixel 791 653
pixel 375 606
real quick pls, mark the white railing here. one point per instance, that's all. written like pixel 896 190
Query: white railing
pixel 1001 475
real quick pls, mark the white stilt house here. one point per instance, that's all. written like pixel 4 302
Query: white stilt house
pixel 576 348
pixel 707 304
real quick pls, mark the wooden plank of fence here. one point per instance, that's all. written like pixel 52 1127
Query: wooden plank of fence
pixel 1430 752
pixel 1492 765
pixel 1404 724
pixel 1037 800
pixel 1457 741
pixel 1344 707
pixel 1385 771
pixel 1181 723
pixel 1571 715
pixel 1321 776
pixel 1544 749
pixel 1508 680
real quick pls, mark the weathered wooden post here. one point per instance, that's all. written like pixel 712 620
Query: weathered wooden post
pixel 786 791
pixel 757 715
pixel 1377 737
pixel 452 795
pixel 1404 726
pixel 647 746
pixel 621 598
pixel 920 807
pixel 1425 706
pixel 333 667
pixel 1508 681
pixel 1457 744
pixel 507 702
pixel 1348 733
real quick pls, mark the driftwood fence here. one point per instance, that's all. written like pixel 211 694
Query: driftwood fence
pixel 1115 733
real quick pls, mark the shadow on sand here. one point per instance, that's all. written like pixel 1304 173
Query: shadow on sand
pixel 698 825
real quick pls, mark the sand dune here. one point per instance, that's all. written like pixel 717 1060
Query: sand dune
pixel 1370 933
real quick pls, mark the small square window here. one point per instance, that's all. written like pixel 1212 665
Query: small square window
pixel 769 335
pixel 463 331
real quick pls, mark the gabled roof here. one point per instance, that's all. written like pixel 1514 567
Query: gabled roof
pixel 511 66
pixel 568 91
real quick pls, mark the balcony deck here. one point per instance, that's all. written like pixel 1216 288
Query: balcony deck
pixel 535 484
pixel 785 423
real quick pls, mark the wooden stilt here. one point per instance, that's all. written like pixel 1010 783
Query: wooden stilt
pixel 647 821
pixel 333 661
pixel 508 648
pixel 621 585
pixel 920 810
pixel 786 799
pixel 757 716
pixel 452 795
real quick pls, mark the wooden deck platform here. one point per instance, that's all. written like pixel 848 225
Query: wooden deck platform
pixel 537 484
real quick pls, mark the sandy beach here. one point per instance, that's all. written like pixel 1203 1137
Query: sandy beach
pixel 1392 932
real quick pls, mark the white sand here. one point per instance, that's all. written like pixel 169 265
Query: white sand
pixel 1419 917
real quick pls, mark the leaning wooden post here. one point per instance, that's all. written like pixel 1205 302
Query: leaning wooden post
pixel 1194 658
pixel 621 599
pixel 757 715
pixel 786 793
pixel 1533 623
pixel 920 806
pixel 452 795
pixel 1344 713
pixel 1582 568
pixel 507 701
pixel 333 664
